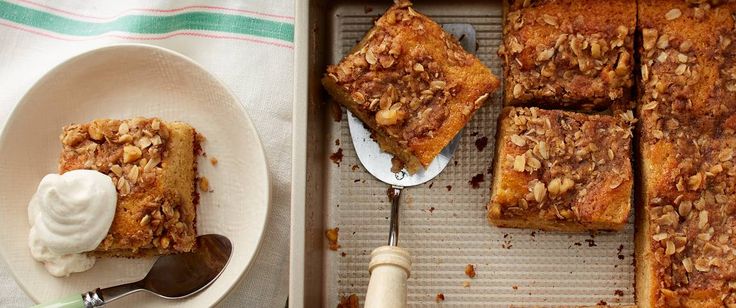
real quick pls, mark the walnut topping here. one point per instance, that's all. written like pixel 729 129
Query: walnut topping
pixel 120 149
pixel 131 153
pixel 95 131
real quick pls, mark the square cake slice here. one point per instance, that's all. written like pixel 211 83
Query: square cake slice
pixel 412 84
pixel 560 170
pixel 153 165
pixel 562 54
pixel 686 215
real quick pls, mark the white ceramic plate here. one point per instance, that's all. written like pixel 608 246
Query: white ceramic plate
pixel 124 81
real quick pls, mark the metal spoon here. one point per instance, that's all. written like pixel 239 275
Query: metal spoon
pixel 390 265
pixel 171 277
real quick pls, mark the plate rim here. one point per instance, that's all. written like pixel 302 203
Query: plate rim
pixel 260 152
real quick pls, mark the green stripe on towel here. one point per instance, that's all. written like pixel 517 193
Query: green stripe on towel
pixel 147 24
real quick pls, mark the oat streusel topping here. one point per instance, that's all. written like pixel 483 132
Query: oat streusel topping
pixel 130 152
pixel 564 156
pixel 688 110
pixel 566 56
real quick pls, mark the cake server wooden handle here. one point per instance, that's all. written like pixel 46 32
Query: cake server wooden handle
pixel 389 268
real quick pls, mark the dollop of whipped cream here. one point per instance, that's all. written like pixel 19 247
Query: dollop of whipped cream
pixel 70 214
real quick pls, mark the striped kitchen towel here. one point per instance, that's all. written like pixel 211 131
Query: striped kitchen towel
pixel 246 44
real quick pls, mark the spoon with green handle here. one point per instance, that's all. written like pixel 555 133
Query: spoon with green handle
pixel 171 277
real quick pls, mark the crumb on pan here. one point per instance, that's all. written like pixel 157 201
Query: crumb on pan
pixel 440 297
pixel 470 270
pixel 337 157
pixel 476 180
pixel 332 235
pixel 349 302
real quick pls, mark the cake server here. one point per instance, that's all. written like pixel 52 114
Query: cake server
pixel 171 277
pixel 390 265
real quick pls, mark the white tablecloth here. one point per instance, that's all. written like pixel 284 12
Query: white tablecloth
pixel 246 44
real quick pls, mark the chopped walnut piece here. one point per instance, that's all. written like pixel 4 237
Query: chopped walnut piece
pixel 131 153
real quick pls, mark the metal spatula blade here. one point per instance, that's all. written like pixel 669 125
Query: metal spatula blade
pixel 378 163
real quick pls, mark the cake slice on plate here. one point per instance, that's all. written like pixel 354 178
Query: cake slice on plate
pixel 153 165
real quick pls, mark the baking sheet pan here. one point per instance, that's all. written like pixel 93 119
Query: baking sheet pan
pixel 443 222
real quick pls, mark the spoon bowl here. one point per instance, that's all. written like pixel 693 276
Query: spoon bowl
pixel 181 275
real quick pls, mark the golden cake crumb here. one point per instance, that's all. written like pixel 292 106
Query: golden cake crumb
pixel 332 235
pixel 204 184
pixel 470 270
